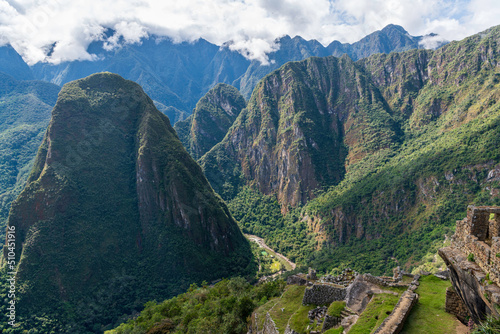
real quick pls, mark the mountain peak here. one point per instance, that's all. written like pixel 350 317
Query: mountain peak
pixel 112 181
pixel 394 27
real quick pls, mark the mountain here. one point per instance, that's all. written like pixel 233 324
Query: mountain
pixel 115 212
pixel 213 116
pixel 171 73
pixel 179 74
pixel 359 154
pixel 301 130
pixel 12 63
pixel 24 115
pixel 392 38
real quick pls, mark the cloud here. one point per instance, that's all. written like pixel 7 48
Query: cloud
pixel 251 26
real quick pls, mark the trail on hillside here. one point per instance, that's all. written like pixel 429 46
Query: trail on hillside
pixel 262 244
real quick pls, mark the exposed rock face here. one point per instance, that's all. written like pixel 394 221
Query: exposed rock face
pixel 300 127
pixel 211 119
pixel 472 261
pixel 468 281
pixel 115 209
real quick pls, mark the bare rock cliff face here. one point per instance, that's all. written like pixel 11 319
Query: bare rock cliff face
pixel 301 124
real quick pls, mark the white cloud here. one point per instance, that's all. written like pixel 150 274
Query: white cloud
pixel 252 26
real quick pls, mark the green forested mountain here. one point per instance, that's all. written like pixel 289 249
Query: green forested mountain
pixel 213 116
pixel 24 115
pixel 389 147
pixel 292 137
pixel 115 213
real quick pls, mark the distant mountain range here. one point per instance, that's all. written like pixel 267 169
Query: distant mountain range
pixel 177 75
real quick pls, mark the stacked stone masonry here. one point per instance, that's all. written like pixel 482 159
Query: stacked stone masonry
pixel 394 323
pixel 323 294
pixel 454 305
pixel 479 234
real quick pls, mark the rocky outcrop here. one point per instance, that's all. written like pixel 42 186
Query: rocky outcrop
pixel 269 326
pixel 471 260
pixel 469 282
pixel 299 127
pixel 296 280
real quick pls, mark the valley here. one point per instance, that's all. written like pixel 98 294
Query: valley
pixel 212 193
pixel 289 265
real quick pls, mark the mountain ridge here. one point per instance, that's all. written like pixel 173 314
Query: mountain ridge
pixel 194 68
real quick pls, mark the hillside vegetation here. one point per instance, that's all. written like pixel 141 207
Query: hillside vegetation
pixel 358 154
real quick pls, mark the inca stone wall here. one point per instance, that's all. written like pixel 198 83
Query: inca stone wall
pixel 454 305
pixel 394 323
pixel 323 294
pixel 296 280
pixel 479 235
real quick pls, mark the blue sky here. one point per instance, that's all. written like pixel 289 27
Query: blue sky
pixel 251 25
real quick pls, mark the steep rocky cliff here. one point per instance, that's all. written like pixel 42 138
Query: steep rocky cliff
pixel 447 104
pixel 400 142
pixel 211 119
pixel 115 210
pixel 304 124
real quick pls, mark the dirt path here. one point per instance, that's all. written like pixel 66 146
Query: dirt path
pixel 461 328
pixel 261 243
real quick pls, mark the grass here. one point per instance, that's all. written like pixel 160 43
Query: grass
pixel 376 311
pixel 261 312
pixel 336 308
pixel 428 315
pixel 300 320
pixel 339 330
pixel 289 302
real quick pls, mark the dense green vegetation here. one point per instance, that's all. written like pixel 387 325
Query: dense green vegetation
pixel 113 236
pixel 24 115
pixel 223 308
pixel 213 116
pixel 428 315
pixel 260 215
pixel 489 326
pixel 420 130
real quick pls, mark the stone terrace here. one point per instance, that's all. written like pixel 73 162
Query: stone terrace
pixel 479 234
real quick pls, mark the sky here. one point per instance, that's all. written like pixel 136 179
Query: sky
pixel 250 26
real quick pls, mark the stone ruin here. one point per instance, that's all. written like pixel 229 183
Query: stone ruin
pixel 479 235
pixel 356 290
pixel 345 278
pixel 473 260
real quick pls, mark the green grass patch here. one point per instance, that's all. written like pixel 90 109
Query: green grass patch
pixel 339 330
pixel 290 301
pixel 336 308
pixel 376 311
pixel 300 320
pixel 428 315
